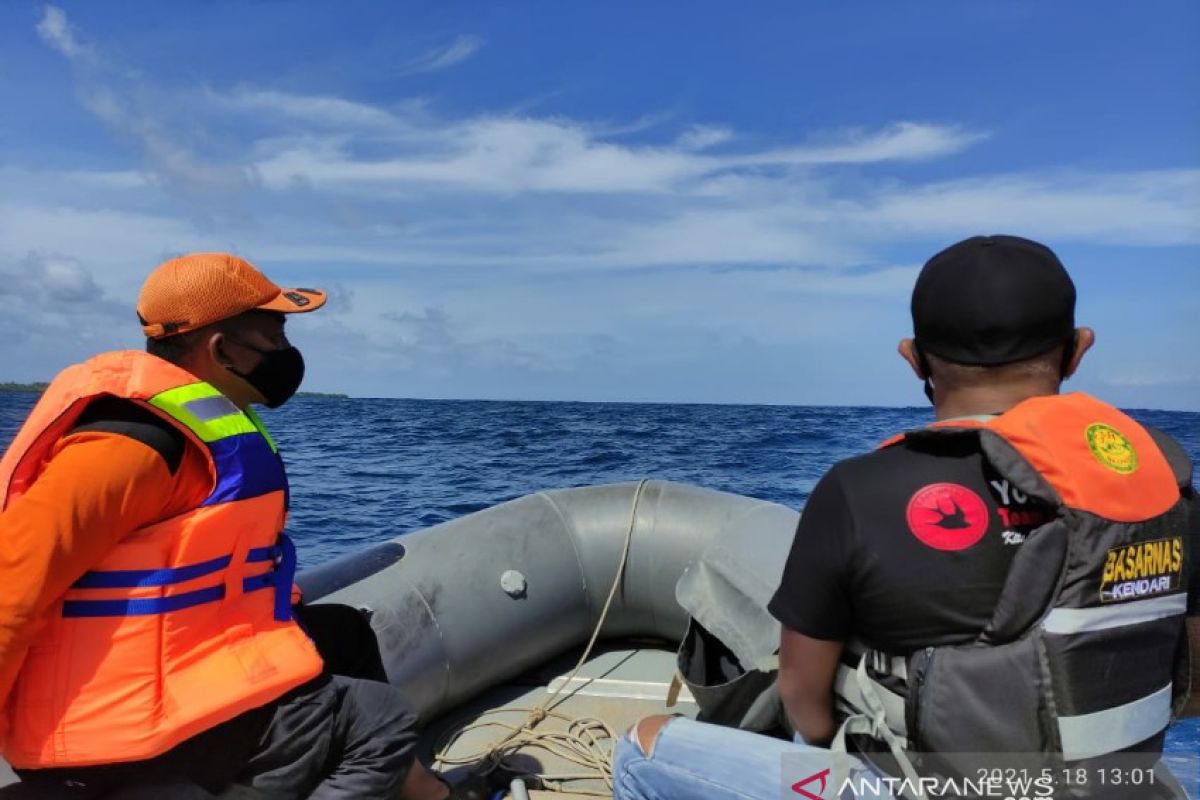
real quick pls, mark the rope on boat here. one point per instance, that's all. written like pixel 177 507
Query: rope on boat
pixel 586 742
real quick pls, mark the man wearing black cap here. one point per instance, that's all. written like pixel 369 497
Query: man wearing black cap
pixel 1023 529
pixel 910 546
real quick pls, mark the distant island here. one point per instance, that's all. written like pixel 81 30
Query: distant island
pixel 30 388
pixel 40 386
pixel 328 395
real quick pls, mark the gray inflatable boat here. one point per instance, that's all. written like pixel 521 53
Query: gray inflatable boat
pixel 485 617
pixel 488 619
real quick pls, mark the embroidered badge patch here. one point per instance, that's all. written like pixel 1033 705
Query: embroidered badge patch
pixel 1111 448
pixel 1145 569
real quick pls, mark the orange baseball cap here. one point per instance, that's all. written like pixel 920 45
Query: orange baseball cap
pixel 198 289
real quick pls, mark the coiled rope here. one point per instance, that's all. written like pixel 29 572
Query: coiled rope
pixel 586 742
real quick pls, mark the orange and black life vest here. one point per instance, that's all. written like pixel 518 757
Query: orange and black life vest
pixel 1086 653
pixel 187 622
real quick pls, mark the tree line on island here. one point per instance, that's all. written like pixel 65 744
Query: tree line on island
pixel 38 387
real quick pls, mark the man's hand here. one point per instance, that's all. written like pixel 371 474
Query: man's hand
pixel 807 668
pixel 1192 709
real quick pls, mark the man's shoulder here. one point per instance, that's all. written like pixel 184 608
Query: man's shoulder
pixel 898 456
pixel 1172 450
pixel 115 415
pixel 881 483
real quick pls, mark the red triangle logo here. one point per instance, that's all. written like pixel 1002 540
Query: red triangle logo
pixel 799 789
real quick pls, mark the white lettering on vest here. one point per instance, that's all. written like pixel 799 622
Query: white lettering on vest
pixel 1009 494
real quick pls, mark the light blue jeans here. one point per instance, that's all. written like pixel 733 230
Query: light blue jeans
pixel 696 761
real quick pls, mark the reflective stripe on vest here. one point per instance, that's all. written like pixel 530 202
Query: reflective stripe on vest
pixel 244 453
pixel 1113 729
pixel 1064 621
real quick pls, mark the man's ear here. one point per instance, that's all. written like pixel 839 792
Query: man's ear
pixel 1084 339
pixel 214 346
pixel 908 351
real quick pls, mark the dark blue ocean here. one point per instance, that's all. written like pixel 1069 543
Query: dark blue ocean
pixel 364 471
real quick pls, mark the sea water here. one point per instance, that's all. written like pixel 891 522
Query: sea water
pixel 364 470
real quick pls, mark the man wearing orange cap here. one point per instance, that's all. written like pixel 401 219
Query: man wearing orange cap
pixel 147 634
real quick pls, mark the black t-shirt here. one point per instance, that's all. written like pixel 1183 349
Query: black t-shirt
pixel 906 548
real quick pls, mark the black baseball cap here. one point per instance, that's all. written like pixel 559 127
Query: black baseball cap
pixel 992 300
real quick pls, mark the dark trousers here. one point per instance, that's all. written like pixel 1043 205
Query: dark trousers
pixel 346 734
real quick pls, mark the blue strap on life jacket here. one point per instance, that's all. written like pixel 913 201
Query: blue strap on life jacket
pixel 284 574
pixel 283 553
pixel 141 606
pixel 264 553
pixel 133 578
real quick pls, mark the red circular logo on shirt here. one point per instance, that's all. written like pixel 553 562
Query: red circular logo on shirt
pixel 947 516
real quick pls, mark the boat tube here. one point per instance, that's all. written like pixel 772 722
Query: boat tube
pixel 468 604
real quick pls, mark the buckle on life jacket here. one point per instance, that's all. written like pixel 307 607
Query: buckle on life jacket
pixel 280 577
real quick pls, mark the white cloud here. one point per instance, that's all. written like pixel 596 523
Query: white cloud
pixel 429 328
pixel 58 311
pixel 107 180
pixel 121 102
pixel 702 137
pixel 885 282
pixel 732 236
pixel 1156 207
pixel 430 340
pixel 317 141
pixel 900 141
pixel 127 242
pixel 57 32
pixel 49 279
pixel 517 154
pixel 320 112
pixel 65 280
pixel 458 51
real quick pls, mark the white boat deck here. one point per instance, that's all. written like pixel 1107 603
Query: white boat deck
pixel 618 686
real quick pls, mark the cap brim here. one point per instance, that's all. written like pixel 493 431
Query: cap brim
pixel 295 301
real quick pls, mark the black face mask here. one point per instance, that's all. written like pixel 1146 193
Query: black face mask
pixel 278 375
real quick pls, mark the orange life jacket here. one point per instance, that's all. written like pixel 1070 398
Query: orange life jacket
pixel 1088 451
pixel 171 633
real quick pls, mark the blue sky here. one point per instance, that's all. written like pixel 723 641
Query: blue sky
pixel 669 201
